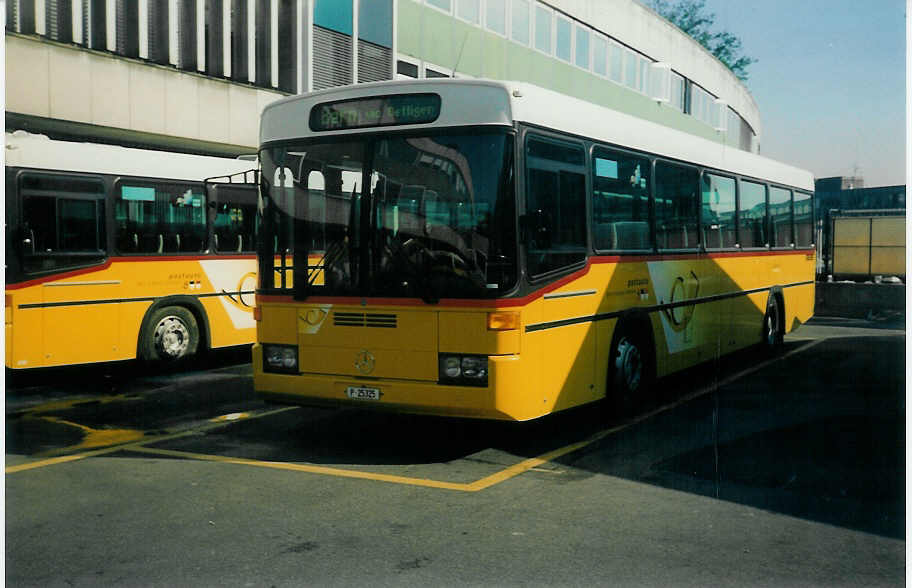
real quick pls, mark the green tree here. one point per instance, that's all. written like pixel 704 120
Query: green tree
pixel 692 17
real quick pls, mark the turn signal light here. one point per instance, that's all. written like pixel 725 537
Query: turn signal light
pixel 257 313
pixel 503 321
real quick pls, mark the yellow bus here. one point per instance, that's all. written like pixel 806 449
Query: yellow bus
pixel 498 250
pixel 115 253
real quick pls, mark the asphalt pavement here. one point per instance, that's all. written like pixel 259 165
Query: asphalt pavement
pixel 750 471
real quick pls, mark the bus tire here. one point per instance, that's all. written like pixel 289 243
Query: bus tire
pixel 630 368
pixel 171 335
pixel 773 335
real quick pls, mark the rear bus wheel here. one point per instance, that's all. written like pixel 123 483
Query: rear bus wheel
pixel 630 370
pixel 171 335
pixel 772 325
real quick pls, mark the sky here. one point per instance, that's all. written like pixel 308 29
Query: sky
pixel 830 82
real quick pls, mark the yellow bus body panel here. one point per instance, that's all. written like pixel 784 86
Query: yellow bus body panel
pixel 560 355
pixel 96 315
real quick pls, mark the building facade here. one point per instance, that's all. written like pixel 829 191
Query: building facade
pixel 194 75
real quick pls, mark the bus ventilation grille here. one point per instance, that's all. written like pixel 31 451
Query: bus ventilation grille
pixel 362 319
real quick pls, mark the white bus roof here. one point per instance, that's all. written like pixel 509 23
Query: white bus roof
pixel 501 103
pixel 29 150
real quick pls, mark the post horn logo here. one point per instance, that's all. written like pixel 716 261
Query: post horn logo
pixel 365 361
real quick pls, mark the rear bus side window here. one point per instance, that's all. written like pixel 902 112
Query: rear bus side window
pixel 160 218
pixel 235 218
pixel 62 222
pixel 555 219
pixel 752 215
pixel 718 217
pixel 780 208
pixel 620 200
pixel 676 208
pixel 804 219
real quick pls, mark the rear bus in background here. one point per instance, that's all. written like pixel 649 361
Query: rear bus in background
pixel 498 250
pixel 115 253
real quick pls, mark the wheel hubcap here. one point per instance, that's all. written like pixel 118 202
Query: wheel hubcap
pixel 629 364
pixel 772 326
pixel 171 337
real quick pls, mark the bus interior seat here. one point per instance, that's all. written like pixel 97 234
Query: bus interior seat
pixel 630 235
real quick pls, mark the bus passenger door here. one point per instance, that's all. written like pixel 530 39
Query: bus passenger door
pixel 63 220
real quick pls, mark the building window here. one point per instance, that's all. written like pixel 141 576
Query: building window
pixel 468 10
pixel 263 44
pixel 582 47
pixel 127 27
pixel 159 43
pixel 58 20
pixel 780 211
pixel 332 43
pixel 718 217
pixel 496 16
pixel 676 206
pixel 375 40
pixel 643 81
pixel 215 60
pixel 677 91
pixel 239 55
pixel 430 72
pixel 631 68
pixel 616 63
pixel 520 22
pixel 600 55
pixel 444 5
pixel 620 200
pixel 98 27
pixel 404 69
pixel 288 45
pixel 186 31
pixel 563 45
pixel 752 215
pixel 543 19
pixel 555 205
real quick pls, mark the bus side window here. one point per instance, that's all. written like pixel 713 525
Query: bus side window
pixel 555 220
pixel 620 201
pixel 804 219
pixel 676 210
pixel 62 222
pixel 718 211
pixel 235 217
pixel 159 217
pixel 780 211
pixel 752 215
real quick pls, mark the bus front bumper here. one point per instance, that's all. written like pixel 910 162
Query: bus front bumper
pixel 501 399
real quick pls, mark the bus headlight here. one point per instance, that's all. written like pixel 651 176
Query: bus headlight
pixel 280 358
pixel 463 370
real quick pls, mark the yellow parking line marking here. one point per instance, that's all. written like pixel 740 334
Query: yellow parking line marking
pixel 312 469
pixel 120 447
pixel 482 484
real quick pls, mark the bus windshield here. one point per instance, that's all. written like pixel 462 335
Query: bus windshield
pixel 427 216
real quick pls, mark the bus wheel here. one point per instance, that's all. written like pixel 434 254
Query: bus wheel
pixel 172 334
pixel 772 325
pixel 630 370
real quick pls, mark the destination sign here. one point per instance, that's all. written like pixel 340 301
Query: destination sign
pixel 382 111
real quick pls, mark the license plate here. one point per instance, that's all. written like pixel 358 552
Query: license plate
pixel 360 393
